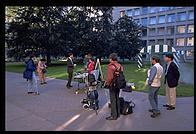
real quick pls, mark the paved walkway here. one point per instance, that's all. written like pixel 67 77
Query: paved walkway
pixel 58 109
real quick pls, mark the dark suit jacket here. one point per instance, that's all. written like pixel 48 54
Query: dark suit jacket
pixel 70 66
pixel 172 76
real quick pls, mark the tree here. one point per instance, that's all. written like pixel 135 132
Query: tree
pixel 127 38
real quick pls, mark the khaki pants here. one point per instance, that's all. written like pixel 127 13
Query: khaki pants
pixel 171 95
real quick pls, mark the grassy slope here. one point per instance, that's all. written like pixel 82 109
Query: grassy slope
pixel 132 74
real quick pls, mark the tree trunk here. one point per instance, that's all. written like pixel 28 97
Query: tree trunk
pixel 48 59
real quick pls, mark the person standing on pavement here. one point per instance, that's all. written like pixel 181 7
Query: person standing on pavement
pixel 91 65
pixel 172 76
pixel 70 68
pixel 86 62
pixel 113 91
pixel 154 83
pixel 29 74
pixel 41 69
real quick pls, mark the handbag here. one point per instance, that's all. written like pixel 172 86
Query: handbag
pixel 44 71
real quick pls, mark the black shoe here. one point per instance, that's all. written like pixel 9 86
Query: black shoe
pixel 170 108
pixel 154 115
pixel 41 83
pixel 29 92
pixel 110 118
pixel 166 105
pixel 45 83
pixel 150 110
pixel 70 86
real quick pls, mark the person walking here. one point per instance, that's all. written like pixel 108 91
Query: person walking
pixel 29 74
pixel 41 69
pixel 113 90
pixel 154 83
pixel 172 76
pixel 70 68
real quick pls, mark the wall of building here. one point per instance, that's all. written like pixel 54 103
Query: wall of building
pixel 161 31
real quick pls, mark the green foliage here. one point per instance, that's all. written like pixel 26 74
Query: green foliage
pixel 56 31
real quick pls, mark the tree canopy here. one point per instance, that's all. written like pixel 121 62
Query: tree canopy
pixel 56 31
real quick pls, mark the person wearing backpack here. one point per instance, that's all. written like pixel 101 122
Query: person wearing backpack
pixel 29 74
pixel 113 88
pixel 154 83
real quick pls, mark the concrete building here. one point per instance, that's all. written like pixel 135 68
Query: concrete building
pixel 165 25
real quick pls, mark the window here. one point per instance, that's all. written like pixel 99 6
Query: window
pixel 151 42
pixel 191 15
pixel 162 19
pixel 152 20
pixel 161 30
pixel 190 41
pixel 181 29
pixel 137 21
pixel 153 9
pixel 162 9
pixel 161 41
pixel 152 31
pixel 190 28
pixel 144 21
pixel 137 11
pixel 170 30
pixel 144 32
pixel 144 10
pixel 129 12
pixel 122 13
pixel 170 42
pixel 171 18
pixel 180 42
pixel 171 8
pixel 190 53
pixel 181 16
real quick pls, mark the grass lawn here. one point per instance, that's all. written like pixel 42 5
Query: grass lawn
pixel 132 74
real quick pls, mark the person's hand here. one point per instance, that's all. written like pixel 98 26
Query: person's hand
pixel 75 65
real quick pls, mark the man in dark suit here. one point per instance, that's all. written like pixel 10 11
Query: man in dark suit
pixel 70 67
pixel 172 76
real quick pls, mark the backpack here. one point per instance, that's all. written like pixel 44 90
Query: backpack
pixel 125 107
pixel 119 78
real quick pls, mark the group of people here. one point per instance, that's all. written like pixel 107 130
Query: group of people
pixel 153 80
pixel 29 74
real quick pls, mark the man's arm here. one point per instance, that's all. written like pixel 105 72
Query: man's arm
pixel 153 72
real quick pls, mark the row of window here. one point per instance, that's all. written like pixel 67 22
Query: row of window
pixel 179 41
pixel 146 10
pixel 170 30
pixel 162 18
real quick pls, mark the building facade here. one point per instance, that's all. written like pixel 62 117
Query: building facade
pixel 173 26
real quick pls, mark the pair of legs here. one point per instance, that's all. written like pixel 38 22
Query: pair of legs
pixel 31 82
pixel 115 103
pixel 70 74
pixel 42 77
pixel 153 98
pixel 171 95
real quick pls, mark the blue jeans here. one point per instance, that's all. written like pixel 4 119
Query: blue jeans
pixel 30 83
pixel 153 98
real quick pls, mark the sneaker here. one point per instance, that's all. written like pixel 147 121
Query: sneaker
pixel 154 115
pixel 37 93
pixel 170 108
pixel 29 92
pixel 166 105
